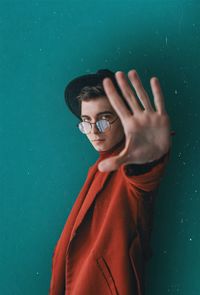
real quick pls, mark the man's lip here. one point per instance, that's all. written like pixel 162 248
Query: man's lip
pixel 98 139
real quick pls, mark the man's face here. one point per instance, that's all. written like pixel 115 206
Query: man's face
pixel 90 112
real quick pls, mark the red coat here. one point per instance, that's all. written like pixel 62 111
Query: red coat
pixel 105 242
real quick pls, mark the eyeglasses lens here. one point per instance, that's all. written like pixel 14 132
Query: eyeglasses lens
pixel 102 125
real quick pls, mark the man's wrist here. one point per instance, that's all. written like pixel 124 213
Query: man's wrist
pixel 137 169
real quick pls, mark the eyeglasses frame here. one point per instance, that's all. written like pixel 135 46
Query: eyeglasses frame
pixel 110 123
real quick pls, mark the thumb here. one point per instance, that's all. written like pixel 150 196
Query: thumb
pixel 111 164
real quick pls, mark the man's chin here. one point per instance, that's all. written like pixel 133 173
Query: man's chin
pixel 99 145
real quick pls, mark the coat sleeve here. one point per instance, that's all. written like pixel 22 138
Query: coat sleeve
pixel 146 177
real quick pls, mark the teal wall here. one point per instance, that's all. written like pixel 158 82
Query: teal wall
pixel 44 159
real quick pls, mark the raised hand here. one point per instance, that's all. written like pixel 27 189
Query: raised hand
pixel 147 131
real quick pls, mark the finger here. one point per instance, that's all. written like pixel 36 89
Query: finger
pixel 112 163
pixel 115 99
pixel 127 92
pixel 108 165
pixel 158 95
pixel 141 93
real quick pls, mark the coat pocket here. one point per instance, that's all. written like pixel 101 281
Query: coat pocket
pixel 106 272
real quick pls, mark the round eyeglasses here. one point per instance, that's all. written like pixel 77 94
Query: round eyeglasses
pixel 102 125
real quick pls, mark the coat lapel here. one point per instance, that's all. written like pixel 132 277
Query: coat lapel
pixel 86 203
pixel 100 181
pixel 74 220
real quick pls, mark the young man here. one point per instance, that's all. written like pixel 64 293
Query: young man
pixel 105 243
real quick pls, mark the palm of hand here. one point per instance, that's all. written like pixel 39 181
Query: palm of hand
pixel 147 131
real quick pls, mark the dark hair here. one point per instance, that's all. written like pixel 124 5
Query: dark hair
pixel 91 92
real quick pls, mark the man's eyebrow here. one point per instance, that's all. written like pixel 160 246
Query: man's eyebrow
pixel 100 113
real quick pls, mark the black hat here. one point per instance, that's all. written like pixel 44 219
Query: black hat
pixel 75 86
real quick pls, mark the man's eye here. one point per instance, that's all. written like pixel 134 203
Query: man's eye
pixel 105 117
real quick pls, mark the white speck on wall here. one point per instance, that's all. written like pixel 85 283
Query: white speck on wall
pixel 175 91
pixel 174 288
pixel 166 40
pixel 179 154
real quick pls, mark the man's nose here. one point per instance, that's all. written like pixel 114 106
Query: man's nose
pixel 95 130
